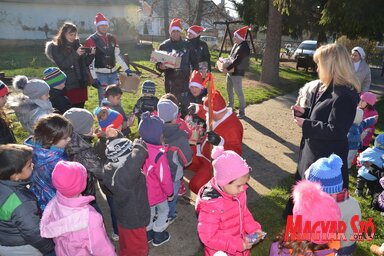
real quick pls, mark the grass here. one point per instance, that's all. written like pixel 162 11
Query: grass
pixel 31 61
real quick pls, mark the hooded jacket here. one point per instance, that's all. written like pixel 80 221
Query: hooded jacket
pixel 223 220
pixel 19 217
pixel 76 227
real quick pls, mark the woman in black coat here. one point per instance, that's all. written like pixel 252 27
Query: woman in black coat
pixel 326 122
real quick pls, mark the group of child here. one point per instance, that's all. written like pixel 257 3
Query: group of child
pixel 58 167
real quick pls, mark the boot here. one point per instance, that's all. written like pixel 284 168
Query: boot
pixel 160 238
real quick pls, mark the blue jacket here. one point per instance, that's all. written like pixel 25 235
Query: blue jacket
pixel 372 155
pixel 354 134
pixel 44 161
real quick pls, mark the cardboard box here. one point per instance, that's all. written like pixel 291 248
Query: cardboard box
pixel 166 58
pixel 129 83
pixel 223 64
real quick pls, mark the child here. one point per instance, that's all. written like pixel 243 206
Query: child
pixel 378 199
pixel 354 133
pixel 179 153
pixel 124 177
pixel 6 134
pixel 51 135
pixel 55 78
pixel 147 101
pixel 112 100
pixel 313 205
pixel 371 162
pixel 158 177
pixel 327 171
pixel 33 104
pixel 75 226
pixel 20 220
pixel 223 215
pixel 107 118
pixel 367 102
pixel 80 148
pixel 197 88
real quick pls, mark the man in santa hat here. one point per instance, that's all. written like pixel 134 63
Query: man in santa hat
pixel 227 131
pixel 103 68
pixel 199 49
pixel 240 55
pixel 176 80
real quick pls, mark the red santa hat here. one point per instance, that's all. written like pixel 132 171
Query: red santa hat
pixel 241 33
pixel 100 19
pixel 175 25
pixel 195 30
pixel 196 79
pixel 218 103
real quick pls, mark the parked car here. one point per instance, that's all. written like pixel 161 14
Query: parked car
pixel 306 49
pixel 212 42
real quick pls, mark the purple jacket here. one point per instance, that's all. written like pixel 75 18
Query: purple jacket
pixel 157 174
pixel 76 227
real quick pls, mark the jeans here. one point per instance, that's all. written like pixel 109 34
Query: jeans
pixel 235 82
pixel 105 80
pixel 111 205
pixel 172 204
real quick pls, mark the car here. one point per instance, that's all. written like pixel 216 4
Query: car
pixel 212 42
pixel 306 49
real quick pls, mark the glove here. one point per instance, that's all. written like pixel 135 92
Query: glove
pixel 96 83
pixel 213 138
pixel 192 108
pixel 128 72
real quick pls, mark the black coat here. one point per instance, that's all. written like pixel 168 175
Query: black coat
pixel 240 55
pixel 6 134
pixel 326 126
pixel 200 51
pixel 59 100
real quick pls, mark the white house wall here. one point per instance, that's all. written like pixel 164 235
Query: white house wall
pixel 28 20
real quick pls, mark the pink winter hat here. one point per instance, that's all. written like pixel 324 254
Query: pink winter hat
pixel 227 165
pixel 369 97
pixel 314 205
pixel 69 178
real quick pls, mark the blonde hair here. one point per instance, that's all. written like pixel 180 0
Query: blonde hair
pixel 335 66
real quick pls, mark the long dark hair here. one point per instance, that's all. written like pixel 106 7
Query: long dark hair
pixel 67 27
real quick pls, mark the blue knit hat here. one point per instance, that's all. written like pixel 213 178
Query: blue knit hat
pixel 379 142
pixel 151 128
pixel 327 171
pixel 54 76
pixel 148 87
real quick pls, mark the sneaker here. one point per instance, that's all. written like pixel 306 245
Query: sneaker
pixel 241 115
pixel 114 236
pixel 182 189
pixel 160 238
pixel 171 219
pixel 150 234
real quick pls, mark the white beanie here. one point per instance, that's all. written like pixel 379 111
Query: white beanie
pixel 360 51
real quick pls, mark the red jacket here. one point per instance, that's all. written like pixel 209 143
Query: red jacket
pixel 229 128
pixel 223 220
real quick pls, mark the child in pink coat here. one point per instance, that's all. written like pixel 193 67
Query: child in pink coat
pixel 367 102
pixel 223 215
pixel 75 226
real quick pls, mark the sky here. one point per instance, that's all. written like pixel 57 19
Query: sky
pixel 229 5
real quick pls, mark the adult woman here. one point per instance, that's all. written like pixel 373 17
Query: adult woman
pixel 361 68
pixel 69 55
pixel 326 123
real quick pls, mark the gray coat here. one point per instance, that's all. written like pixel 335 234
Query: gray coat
pixel 364 75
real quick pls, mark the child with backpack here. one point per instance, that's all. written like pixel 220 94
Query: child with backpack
pixel 51 135
pixel 33 103
pixel 20 216
pixel 158 177
pixel 6 134
pixel 125 179
pixel 75 226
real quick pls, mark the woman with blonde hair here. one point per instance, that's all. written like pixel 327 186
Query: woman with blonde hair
pixel 326 122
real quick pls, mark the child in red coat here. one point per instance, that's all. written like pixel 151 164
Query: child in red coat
pixel 224 219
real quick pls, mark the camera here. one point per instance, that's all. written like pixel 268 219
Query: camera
pixel 86 49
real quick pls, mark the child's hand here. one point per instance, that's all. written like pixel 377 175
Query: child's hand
pixel 246 244
pixel 111 132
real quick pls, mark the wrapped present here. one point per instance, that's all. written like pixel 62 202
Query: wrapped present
pixel 169 59
pixel 129 83
pixel 224 63
pixel 198 130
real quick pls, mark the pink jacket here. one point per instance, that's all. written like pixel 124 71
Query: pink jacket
pixel 223 220
pixel 76 227
pixel 369 131
pixel 157 174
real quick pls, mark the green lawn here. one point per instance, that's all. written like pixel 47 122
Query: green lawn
pixel 31 61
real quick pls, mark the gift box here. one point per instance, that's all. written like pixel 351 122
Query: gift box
pixel 170 60
pixel 224 63
pixel 129 83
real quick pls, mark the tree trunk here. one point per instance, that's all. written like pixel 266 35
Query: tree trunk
pixel 166 19
pixel 270 66
pixel 199 13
